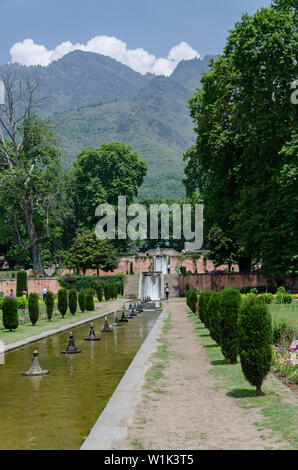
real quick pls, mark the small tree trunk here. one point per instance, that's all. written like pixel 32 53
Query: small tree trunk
pixel 259 392
pixel 32 235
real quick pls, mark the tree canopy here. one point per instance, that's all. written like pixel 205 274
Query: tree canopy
pixel 245 164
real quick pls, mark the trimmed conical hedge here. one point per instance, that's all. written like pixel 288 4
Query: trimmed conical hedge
pixel 10 313
pixel 50 304
pixel 203 303
pixel 99 292
pixel 229 304
pixel 254 341
pixel 213 315
pixel 82 300
pixel 89 302
pixel 72 301
pixel 21 282
pixel 33 307
pixel 62 301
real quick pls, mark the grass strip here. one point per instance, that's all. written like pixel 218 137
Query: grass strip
pixel 280 417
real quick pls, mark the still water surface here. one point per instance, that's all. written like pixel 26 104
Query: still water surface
pixel 57 411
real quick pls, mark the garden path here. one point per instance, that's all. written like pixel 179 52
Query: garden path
pixel 184 409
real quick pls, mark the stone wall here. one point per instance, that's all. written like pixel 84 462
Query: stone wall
pixel 34 285
pixel 218 281
pixel 143 264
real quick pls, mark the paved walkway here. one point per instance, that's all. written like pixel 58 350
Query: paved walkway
pixel 180 407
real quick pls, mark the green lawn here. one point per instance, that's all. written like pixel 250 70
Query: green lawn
pixel 278 414
pixel 284 311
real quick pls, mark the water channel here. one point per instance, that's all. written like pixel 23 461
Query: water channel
pixel 57 411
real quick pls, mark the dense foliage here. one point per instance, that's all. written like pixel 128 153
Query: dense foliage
pixel 244 164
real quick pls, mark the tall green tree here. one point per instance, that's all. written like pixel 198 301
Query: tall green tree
pixel 87 251
pixel 102 174
pixel 246 127
pixel 30 167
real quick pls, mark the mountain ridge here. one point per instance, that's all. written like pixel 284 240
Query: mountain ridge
pixel 95 99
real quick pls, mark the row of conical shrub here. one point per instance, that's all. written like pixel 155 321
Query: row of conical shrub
pixel 67 299
pixel 10 316
pixel 108 291
pixel 70 299
pixel 241 328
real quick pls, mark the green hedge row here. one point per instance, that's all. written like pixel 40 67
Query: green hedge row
pixel 241 328
pixel 86 282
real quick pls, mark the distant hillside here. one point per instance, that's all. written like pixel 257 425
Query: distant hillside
pixel 188 72
pixel 95 99
pixel 156 124
pixel 82 79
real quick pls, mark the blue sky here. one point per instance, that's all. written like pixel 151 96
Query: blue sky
pixel 155 26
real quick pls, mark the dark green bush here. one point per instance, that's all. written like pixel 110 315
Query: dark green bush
pixel 186 287
pixel 99 292
pixel 114 290
pixel 187 297
pixel 192 300
pixel 72 301
pixel 254 342
pixel 107 291
pixel 131 268
pixel 21 282
pixel 33 307
pixel 10 313
pixel 70 281
pixel 82 300
pixel 213 315
pixel 89 302
pixel 62 301
pixel 229 304
pixel 203 302
pixel 50 304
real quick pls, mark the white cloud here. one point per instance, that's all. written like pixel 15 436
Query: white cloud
pixel 29 53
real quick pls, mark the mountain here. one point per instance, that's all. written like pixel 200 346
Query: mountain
pixel 156 124
pixel 188 72
pixel 94 99
pixel 81 79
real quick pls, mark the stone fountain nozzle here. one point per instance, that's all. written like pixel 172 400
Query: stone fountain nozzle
pixel 71 347
pixel 92 336
pixel 35 368
pixel 106 328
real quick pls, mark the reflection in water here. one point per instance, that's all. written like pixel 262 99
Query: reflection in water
pixel 58 410
pixel 70 360
pixel 35 382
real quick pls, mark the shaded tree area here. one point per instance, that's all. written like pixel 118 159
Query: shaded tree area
pixel 44 208
pixel 244 164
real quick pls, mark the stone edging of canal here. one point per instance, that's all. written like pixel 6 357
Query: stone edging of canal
pixel 46 334
pixel 116 417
